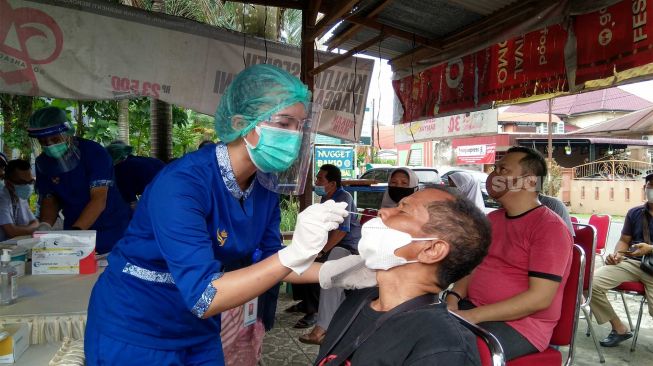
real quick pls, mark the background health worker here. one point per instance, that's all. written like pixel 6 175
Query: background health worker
pixel 159 300
pixel 75 175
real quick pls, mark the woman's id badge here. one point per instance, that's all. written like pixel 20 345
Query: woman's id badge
pixel 250 310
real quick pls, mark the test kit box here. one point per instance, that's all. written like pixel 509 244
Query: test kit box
pixel 64 252
pixel 17 341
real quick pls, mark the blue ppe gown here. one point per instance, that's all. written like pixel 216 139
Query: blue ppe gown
pixel 134 174
pixel 192 220
pixel 72 190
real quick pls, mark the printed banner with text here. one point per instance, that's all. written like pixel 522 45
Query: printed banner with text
pixel 91 50
pixel 550 60
pixel 475 154
pixel 459 125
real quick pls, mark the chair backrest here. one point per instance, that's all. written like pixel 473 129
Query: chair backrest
pixel 488 345
pixel 585 236
pixel 572 297
pixel 602 225
pixel 368 214
pixel 574 219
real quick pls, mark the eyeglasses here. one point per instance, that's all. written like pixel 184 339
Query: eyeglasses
pixel 288 122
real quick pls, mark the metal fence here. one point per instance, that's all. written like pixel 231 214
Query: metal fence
pixel 613 170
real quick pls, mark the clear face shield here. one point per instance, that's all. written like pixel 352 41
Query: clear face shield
pixel 284 151
pixel 56 147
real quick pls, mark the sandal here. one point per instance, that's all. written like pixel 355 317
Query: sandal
pixel 312 338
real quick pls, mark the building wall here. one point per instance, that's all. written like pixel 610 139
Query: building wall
pixel 587 120
pixel 605 197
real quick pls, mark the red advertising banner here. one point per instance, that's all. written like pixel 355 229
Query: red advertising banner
pixel 524 66
pixel 517 68
pixel 612 39
pixel 475 154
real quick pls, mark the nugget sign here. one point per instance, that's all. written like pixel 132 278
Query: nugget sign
pixel 341 156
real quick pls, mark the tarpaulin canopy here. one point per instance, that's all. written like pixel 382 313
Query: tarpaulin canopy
pixel 92 50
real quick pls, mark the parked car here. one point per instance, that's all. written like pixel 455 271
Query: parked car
pixel 426 175
pixel 371 197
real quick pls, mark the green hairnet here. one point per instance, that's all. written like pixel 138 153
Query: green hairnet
pixel 49 121
pixel 255 94
pixel 118 151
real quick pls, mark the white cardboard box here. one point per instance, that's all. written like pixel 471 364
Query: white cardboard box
pixel 64 252
pixel 12 347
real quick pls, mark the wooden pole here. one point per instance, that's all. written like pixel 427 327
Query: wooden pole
pixel 309 15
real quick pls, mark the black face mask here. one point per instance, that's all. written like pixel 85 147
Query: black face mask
pixel 397 193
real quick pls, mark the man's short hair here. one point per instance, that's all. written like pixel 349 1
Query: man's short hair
pixel 467 230
pixel 15 165
pixel 333 174
pixel 533 163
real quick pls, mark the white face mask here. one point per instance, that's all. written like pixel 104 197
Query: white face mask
pixel 378 244
pixel 649 195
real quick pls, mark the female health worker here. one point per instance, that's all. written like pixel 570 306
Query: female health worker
pixel 75 175
pixel 159 300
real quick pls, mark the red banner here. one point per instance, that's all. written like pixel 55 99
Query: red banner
pixel 524 66
pixel 475 154
pixel 517 68
pixel 616 38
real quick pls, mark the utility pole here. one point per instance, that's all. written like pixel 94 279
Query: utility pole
pixel 549 161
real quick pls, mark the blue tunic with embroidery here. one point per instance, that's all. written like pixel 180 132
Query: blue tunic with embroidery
pixel 192 220
pixel 73 191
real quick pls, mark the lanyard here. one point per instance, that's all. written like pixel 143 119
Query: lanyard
pixel 412 304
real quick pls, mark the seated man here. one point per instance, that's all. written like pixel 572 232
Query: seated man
pixel 16 218
pixel 417 249
pixel 516 292
pixel 623 266
pixel 341 243
pixel 557 206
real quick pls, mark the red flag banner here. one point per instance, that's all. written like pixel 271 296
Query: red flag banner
pixel 524 66
pixel 612 39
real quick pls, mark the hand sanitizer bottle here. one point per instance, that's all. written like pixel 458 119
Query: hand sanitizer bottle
pixel 8 279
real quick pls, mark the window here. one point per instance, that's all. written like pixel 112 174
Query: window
pixel 596 193
pixel 415 157
pixel 611 194
pixel 557 127
pixel 627 194
pixel 582 192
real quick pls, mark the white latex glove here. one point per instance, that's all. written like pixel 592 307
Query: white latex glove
pixel 311 234
pixel 44 226
pixel 347 272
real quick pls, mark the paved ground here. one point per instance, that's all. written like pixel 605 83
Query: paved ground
pixel 281 346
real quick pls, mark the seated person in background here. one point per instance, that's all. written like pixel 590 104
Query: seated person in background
pixel 557 206
pixel 341 243
pixel 133 173
pixel 468 186
pixel 430 240
pixel 16 218
pixel 402 182
pixel 516 292
pixel 623 267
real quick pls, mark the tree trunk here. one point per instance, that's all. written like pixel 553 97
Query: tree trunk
pixel 6 103
pixel 123 120
pixel 160 130
pixel 80 119
pixel 160 116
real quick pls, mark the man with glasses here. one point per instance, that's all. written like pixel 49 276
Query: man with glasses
pixel 16 218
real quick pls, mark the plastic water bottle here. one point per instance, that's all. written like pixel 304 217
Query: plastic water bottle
pixel 8 279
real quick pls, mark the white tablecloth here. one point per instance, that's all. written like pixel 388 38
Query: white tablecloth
pixel 54 306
